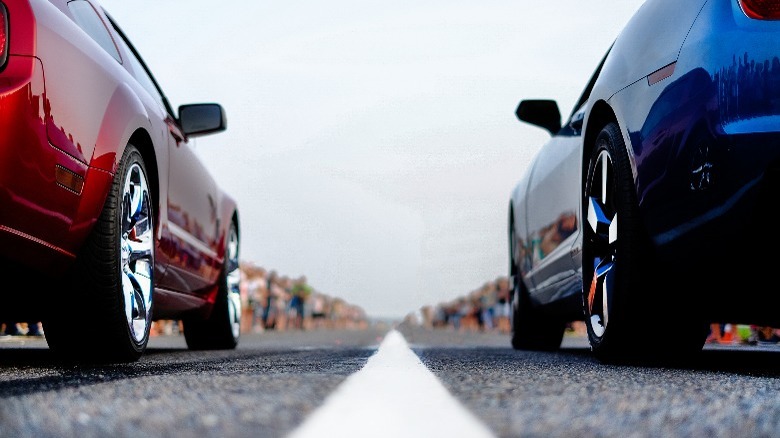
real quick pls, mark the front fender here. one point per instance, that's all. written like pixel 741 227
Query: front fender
pixel 227 210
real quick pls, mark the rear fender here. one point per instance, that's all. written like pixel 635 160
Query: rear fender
pixel 22 38
pixel 124 115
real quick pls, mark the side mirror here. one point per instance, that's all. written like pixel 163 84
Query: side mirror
pixel 543 113
pixel 201 119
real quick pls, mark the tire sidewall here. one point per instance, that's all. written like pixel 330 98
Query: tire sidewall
pixel 233 230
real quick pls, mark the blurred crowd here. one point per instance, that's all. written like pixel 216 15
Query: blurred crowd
pixel 487 308
pixel 483 309
pixel 272 301
pixel 727 333
pixel 13 328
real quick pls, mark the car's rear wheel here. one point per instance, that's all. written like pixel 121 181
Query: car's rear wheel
pixel 531 330
pixel 222 329
pixel 621 293
pixel 106 313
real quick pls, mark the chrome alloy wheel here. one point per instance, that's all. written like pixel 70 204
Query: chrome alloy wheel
pixel 137 252
pixel 233 278
pixel 603 226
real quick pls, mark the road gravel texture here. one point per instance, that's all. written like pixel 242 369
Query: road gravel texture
pixel 274 380
pixel 265 388
pixel 726 392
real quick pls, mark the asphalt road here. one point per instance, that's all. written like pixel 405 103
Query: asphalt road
pixel 265 388
pixel 273 381
pixel 729 391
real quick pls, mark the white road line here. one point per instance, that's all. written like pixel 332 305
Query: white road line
pixel 394 396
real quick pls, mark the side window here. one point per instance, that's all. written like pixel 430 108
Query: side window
pixel 139 72
pixel 588 88
pixel 87 18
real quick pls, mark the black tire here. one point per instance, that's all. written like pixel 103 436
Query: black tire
pixel 106 312
pixel 222 329
pixel 531 329
pixel 621 298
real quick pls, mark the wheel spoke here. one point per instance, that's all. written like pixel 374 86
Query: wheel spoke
pixel 606 297
pixel 143 278
pixel 234 315
pixel 602 242
pixel 599 296
pixel 233 280
pixel 128 289
pixel 127 220
pixel 140 228
pixel 232 255
pixel 136 289
pixel 137 252
pixel 613 229
pixel 139 309
pixel 604 163
pixel 597 218
pixel 136 195
pixel 600 271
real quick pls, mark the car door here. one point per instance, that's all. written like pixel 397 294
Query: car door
pixel 553 214
pixel 193 222
pixel 554 206
pixel 186 255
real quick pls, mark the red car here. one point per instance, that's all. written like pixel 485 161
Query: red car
pixel 108 220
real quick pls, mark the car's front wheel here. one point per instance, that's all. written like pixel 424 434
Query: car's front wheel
pixel 222 329
pixel 105 310
pixel 622 291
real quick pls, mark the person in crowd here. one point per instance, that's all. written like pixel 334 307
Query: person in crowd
pixel 318 311
pixel 502 305
pixel 269 309
pixel 488 297
pixel 764 335
pixel 723 333
pixel 12 329
pixel 280 292
pixel 299 293
pixel 253 297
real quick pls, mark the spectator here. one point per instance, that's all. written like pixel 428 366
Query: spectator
pixel 269 309
pixel 763 335
pixel 280 302
pixel 12 329
pixel 299 293
pixel 502 305
pixel 488 298
pixel 722 333
pixel 319 311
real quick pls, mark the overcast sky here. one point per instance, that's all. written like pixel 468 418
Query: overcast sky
pixel 372 145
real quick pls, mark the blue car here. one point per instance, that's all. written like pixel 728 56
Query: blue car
pixel 647 214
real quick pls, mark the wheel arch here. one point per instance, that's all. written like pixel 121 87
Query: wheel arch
pixel 143 142
pixel 517 251
pixel 227 214
pixel 234 220
pixel 600 116
pixel 510 231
